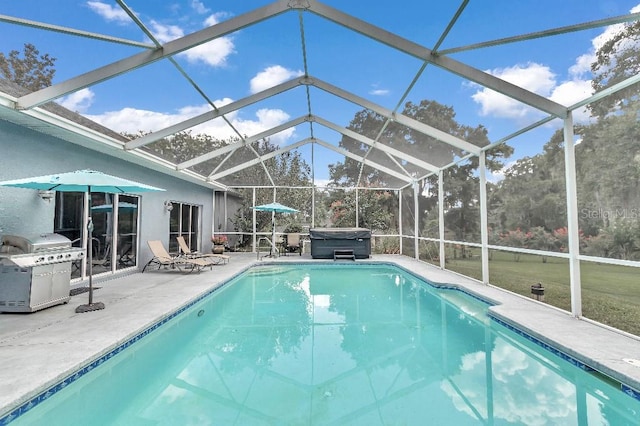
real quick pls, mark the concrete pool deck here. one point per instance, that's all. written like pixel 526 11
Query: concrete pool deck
pixel 40 349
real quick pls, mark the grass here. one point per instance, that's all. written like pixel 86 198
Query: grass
pixel 610 293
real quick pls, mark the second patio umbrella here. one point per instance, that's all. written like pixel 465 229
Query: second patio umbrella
pixel 274 208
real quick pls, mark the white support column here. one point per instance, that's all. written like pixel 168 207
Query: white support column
pixel 273 220
pixel 484 237
pixel 441 216
pixel 572 217
pixel 400 218
pixel 416 220
pixel 253 213
pixel 357 209
pixel 313 180
pixel 226 211
pixel 313 206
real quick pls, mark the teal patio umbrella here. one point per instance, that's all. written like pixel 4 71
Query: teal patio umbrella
pixel 274 208
pixel 83 181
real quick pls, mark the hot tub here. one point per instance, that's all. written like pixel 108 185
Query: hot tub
pixel 332 243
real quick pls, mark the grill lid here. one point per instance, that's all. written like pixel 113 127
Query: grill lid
pixel 14 244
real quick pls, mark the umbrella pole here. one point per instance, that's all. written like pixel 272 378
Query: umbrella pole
pixel 98 305
pixel 90 248
pixel 273 234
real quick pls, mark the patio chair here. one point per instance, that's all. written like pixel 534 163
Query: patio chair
pixel 294 243
pixel 162 258
pixel 126 256
pixel 189 254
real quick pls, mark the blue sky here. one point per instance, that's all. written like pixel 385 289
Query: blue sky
pixel 270 52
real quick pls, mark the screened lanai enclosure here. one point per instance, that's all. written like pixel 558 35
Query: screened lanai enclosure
pixel 496 139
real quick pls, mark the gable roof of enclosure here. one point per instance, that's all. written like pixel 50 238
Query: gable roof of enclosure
pixel 217 167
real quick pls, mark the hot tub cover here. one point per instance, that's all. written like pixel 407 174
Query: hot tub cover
pixel 339 233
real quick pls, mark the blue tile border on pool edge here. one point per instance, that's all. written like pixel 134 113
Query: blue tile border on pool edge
pixel 17 412
pixel 577 363
pixel 571 360
pixel 26 406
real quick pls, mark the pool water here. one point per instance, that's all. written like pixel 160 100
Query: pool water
pixel 336 345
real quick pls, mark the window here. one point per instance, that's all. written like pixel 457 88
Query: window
pixel 185 221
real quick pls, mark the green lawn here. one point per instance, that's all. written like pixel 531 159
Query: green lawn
pixel 610 293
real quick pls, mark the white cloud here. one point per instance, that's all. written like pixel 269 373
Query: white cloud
pixel 199 7
pixel 108 12
pixel 79 101
pixel 534 77
pixel 165 33
pixel 542 80
pixel 376 90
pixel 272 76
pixel 379 92
pixel 266 119
pixel 132 120
pixel 571 92
pixel 531 393
pixel 215 18
pixel 213 53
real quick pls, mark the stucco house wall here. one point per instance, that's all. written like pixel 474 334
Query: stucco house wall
pixel 25 152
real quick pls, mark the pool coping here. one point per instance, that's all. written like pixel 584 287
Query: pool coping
pixel 55 357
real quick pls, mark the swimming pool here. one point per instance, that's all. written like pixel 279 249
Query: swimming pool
pixel 369 344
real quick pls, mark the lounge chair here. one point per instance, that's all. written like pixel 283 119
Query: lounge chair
pixel 162 258
pixel 211 257
pixel 294 244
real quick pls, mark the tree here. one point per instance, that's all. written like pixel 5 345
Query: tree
pixel 608 174
pixel 33 71
pixel 184 146
pixel 617 60
pixel 539 238
pixel 287 169
pixel 532 193
pixel 514 238
pixel 375 209
pixel 462 182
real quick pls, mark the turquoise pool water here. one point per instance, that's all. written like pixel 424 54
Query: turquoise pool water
pixel 335 345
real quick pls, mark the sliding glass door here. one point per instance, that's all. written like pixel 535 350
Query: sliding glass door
pixel 185 221
pixel 114 239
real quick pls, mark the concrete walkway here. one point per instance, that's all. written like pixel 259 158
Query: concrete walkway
pixel 40 349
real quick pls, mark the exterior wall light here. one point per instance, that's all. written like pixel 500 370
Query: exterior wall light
pixel 168 206
pixel 46 195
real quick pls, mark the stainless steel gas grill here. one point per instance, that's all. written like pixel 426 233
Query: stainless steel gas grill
pixel 35 271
